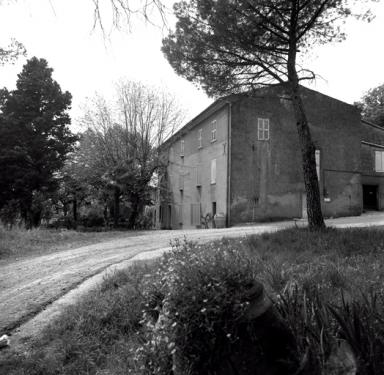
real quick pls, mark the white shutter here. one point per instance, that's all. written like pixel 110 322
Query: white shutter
pixel 213 171
pixel 260 130
pixel 379 161
pixel 266 129
pixel 317 157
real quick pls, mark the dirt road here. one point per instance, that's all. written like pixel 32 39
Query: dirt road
pixel 27 286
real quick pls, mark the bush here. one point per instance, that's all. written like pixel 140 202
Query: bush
pixel 145 221
pixel 62 222
pixel 196 305
pixel 93 218
pixel 10 213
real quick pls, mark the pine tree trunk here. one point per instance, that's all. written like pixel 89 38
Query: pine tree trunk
pixel 315 216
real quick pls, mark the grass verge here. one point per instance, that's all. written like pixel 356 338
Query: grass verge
pixel 107 333
pixel 20 242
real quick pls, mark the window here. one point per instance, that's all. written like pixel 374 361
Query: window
pixel 317 157
pixel 379 161
pixel 200 138
pixel 213 131
pixel 181 181
pixel 182 147
pixel 198 175
pixel 263 129
pixel 213 171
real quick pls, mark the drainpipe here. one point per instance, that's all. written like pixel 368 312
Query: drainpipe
pixel 229 151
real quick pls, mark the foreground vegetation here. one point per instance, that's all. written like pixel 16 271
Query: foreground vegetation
pixel 327 288
pixel 20 242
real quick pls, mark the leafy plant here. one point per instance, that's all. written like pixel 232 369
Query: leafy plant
pixel 361 323
pixel 196 304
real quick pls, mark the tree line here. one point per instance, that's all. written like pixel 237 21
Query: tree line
pixel 104 174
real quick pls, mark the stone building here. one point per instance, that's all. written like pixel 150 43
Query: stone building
pixel 240 160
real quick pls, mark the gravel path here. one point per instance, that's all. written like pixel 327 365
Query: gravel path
pixel 29 285
pixel 49 282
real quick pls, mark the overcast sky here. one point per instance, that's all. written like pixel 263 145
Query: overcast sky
pixel 84 62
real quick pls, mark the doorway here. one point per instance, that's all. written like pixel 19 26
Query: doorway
pixel 169 217
pixel 213 214
pixel 370 197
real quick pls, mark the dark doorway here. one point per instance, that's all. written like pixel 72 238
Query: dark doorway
pixel 213 214
pixel 370 201
pixel 213 208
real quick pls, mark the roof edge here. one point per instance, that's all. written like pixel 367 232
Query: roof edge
pixel 372 124
pixel 210 110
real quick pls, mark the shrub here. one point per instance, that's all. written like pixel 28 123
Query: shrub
pixel 320 327
pixel 62 222
pixel 93 218
pixel 145 221
pixel 361 324
pixel 9 213
pixel 196 306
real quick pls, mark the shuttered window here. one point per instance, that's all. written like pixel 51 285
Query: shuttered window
pixel 200 138
pixel 198 175
pixel 213 171
pixel 317 156
pixel 213 130
pixel 379 161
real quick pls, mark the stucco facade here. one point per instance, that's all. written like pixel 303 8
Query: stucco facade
pixel 258 170
pixel 196 180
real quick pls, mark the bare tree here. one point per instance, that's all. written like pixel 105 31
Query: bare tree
pixel 122 11
pixel 125 136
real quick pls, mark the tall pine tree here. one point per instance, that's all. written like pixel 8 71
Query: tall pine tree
pixel 34 139
pixel 229 46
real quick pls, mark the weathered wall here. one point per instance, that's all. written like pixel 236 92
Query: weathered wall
pixel 182 172
pixel 266 176
pixel 373 138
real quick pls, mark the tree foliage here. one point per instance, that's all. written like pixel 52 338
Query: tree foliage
pixel 231 46
pixel 34 138
pixel 12 52
pixel 121 142
pixel 372 105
